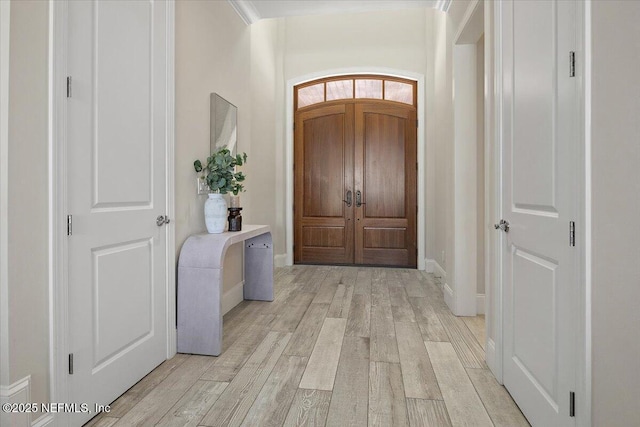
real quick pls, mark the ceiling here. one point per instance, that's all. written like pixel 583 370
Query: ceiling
pixel 254 10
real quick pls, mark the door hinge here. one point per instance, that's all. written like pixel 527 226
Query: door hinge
pixel 417 122
pixel 294 125
pixel 572 233
pixel 572 64
pixel 572 404
pixel 68 86
pixel 69 225
pixel 70 363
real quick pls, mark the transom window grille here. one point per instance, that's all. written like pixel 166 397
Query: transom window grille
pixel 355 87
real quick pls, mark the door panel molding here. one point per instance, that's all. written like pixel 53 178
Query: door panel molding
pixel 288 173
pixel 58 208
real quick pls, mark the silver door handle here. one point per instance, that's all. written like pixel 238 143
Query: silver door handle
pixel 162 220
pixel 502 225
pixel 359 201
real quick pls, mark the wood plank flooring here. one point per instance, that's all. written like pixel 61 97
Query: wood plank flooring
pixel 338 346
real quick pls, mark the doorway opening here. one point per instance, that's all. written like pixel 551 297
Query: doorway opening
pixel 355 183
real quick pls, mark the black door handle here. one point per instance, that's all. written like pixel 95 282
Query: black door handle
pixel 359 201
pixel 348 201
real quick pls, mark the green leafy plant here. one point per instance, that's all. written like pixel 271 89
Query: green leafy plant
pixel 220 172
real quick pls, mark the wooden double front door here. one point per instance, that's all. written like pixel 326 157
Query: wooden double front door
pixel 355 183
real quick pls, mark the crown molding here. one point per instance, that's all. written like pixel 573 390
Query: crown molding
pixel 250 14
pixel 443 5
pixel 246 10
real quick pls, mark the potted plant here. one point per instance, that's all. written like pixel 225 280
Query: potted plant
pixel 221 177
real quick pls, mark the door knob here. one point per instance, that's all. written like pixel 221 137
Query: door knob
pixel 162 220
pixel 502 225
pixel 348 201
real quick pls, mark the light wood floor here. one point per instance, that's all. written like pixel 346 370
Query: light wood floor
pixel 339 346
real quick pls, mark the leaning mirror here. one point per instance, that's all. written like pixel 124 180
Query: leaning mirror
pixel 224 126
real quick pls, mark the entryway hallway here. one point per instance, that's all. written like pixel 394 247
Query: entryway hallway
pixel 339 346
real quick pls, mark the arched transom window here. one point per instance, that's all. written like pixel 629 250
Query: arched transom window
pixel 355 87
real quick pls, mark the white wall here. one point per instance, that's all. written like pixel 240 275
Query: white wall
pixel 465 160
pixel 28 197
pixel 461 290
pixel 392 39
pixel 265 179
pixel 398 40
pixel 212 55
pixel 217 52
pixel 482 227
pixel 459 152
pixel 443 146
pixel 615 199
pixel 430 127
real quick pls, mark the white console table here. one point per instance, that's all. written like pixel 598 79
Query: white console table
pixel 200 283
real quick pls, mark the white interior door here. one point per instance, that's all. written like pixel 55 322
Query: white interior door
pixel 116 137
pixel 540 190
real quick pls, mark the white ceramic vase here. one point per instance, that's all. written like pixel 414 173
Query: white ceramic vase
pixel 215 213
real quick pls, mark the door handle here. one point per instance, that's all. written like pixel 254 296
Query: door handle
pixel 348 201
pixel 502 225
pixel 162 220
pixel 359 201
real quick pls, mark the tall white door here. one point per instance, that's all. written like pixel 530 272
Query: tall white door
pixel 117 160
pixel 540 199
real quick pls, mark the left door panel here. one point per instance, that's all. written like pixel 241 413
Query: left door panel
pixel 117 145
pixel 324 197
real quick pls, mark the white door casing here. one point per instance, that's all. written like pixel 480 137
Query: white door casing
pixel 540 183
pixel 493 206
pixel 118 136
pixel 5 22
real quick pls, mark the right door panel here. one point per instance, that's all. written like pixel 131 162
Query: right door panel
pixel 385 183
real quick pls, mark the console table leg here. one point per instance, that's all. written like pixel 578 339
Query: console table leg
pixel 200 319
pixel 258 268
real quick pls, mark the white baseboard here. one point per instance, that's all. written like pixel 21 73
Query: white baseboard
pixel 438 271
pixel 232 297
pixel 449 297
pixel 280 260
pixel 429 265
pixel 43 421
pixel 18 392
pixel 480 304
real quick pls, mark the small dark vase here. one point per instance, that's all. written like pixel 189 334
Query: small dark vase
pixel 235 219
